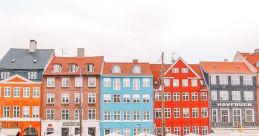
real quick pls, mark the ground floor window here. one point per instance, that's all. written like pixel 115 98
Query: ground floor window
pixel 224 115
pixel 91 131
pixel 30 132
pixel 126 132
pixel 136 131
pixel 65 132
pixel 107 131
pixel 186 130
pixel 249 115
pixel 204 130
pixel 146 130
pixel 167 130
pixel 177 131
pixel 158 131
pixel 195 130
pixel 77 131
pixel 117 131
pixel 214 115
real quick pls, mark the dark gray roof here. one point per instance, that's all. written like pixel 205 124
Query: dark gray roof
pixel 23 59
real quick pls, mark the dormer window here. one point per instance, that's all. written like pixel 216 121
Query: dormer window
pixel 4 74
pixel 57 68
pixel 116 69
pixel 90 67
pixel 257 64
pixel 72 68
pixel 32 75
pixel 136 69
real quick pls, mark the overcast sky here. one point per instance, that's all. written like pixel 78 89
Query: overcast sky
pixel 122 30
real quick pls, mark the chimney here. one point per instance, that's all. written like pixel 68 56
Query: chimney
pixel 135 60
pixel 33 46
pixel 225 60
pixel 80 52
pixel 256 51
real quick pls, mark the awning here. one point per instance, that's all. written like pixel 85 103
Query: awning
pixel 9 131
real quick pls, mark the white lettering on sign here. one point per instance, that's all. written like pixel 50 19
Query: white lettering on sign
pixel 71 124
pixel 225 104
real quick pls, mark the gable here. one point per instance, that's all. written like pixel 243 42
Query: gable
pixel 16 79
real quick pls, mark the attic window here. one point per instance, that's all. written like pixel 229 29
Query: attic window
pixel 57 68
pixel 34 61
pixel 116 69
pixel 72 68
pixel 13 60
pixel 136 69
pixel 90 67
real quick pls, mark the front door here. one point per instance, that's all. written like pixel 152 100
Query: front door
pixel 91 131
pixel 65 132
pixel 237 118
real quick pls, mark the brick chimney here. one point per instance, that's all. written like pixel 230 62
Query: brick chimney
pixel 33 46
pixel 135 61
pixel 80 52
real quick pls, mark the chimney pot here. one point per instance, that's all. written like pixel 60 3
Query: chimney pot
pixel 33 46
pixel 225 60
pixel 80 52
pixel 135 60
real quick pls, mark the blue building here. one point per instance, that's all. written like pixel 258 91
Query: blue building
pixel 126 99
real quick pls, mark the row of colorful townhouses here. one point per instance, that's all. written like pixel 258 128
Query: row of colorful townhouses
pixel 44 94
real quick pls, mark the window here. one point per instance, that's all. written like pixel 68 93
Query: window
pixel 159 131
pixel 107 98
pixel 72 68
pixel 214 95
pixel 186 130
pixel 184 70
pixel 195 130
pixel 16 112
pixel 158 96
pixel 16 92
pixel 126 132
pixel 90 67
pixel 50 114
pixel 136 98
pixel 214 116
pixel 91 114
pixel 146 130
pixel 65 98
pixel 146 115
pixel 224 115
pixel 167 96
pixel 126 82
pixel 106 82
pixel 176 96
pixel 91 81
pixel 65 114
pixel 257 64
pixel 78 81
pixel 116 69
pixel 184 82
pixel 235 80
pixel 35 111
pixel 136 84
pixel 57 68
pixel 7 92
pixel 126 98
pixel 126 115
pixel 185 96
pixel 236 95
pixel 249 115
pixel 107 131
pixel 136 131
pixel 167 113
pixel 6 111
pixel 195 96
pixel 204 112
pixel 26 92
pixel 65 82
pixel 77 114
pixel 32 75
pixel 176 112
pixel 167 130
pixel 203 96
pixel 158 112
pixel 26 111
pixel 77 98
pixel 175 70
pixel 91 97
pixel 117 98
pixel 248 95
pixel 195 112
pixel 117 130
pixel 146 98
pixel 146 82
pixel 117 115
pixel 107 115
pixel 136 69
pixel 5 74
pixel 176 82
pixel 50 82
pixel 36 92
pixel 186 113
pixel 194 82
pixel 213 79
pixel 204 130
pixel 247 80
pixel 50 98
pixel 223 79
pixel 116 84
pixel 177 131
pixel 167 82
pixel 136 115
pixel 224 95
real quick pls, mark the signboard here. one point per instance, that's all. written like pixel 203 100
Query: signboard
pixel 71 124
pixel 233 104
pixel 6 124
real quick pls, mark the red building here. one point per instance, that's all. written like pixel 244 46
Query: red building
pixel 186 99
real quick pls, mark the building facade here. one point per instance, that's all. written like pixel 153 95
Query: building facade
pixel 126 99
pixel 68 84
pixel 185 98
pixel 20 90
pixel 233 95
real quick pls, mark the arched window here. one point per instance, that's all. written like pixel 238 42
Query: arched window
pixel 116 69
pixel 57 68
pixel 72 68
pixel 136 69
pixel 30 132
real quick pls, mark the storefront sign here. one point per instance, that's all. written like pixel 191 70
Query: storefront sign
pixel 226 104
pixel 5 124
pixel 71 124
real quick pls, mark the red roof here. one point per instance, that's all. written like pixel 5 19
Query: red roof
pixel 126 69
pixel 196 68
pixel 225 67
pixel 79 61
pixel 252 58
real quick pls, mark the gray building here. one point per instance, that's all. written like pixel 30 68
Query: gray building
pixel 233 98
